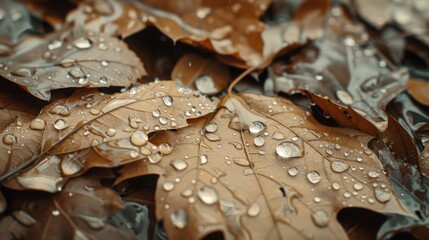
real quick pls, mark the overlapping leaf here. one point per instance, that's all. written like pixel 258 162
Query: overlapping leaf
pixel 265 171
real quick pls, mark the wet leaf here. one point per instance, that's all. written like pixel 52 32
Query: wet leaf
pixel 71 58
pixel 418 89
pixel 80 211
pixel 93 129
pixel 264 169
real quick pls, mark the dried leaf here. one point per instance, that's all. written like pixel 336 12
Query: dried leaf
pixel 202 73
pixel 51 11
pixel 80 211
pixel 95 130
pixel 419 89
pixel 269 171
pixel 71 58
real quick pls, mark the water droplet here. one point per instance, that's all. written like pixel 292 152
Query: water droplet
pixel 60 124
pixel 208 195
pixel 344 97
pixel 168 100
pixel 254 210
pixel 381 195
pixel 203 159
pixel 104 63
pixel 349 41
pixel 82 43
pixel 256 127
pixel 288 150
pixel 373 174
pixel 94 111
pixel 61 110
pixel 111 132
pixel 211 127
pixel 358 186
pixel 317 199
pixel 165 148
pixel 203 12
pixel 139 138
pixel 24 218
pixel 179 218
pixel 259 141
pixel 38 124
pixel 9 139
pixel 156 113
pixel 179 165
pixel 313 176
pixel 155 157
pixel 320 218
pixel 55 212
pixel 102 80
pixel 336 185
pixel 54 44
pixel 83 80
pixel 163 120
pixel 134 154
pixel 339 166
pixel 70 166
pixel 292 171
pixel 168 186
pixel 206 85
pixel 329 152
pixel 278 135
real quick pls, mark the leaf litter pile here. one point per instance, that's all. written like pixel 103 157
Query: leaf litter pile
pixel 203 119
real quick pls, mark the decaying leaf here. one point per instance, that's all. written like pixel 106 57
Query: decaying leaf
pixel 80 211
pixel 419 89
pixel 71 58
pixel 202 73
pixel 95 130
pixel 268 171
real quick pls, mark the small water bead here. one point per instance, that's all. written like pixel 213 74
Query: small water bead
pixel 295 138
pixel 111 132
pixel 60 110
pixel 208 195
pixel 60 124
pixel 358 186
pixel 254 210
pixel 94 111
pixel 168 186
pixel 344 97
pixel 203 159
pixel 320 218
pixel 373 174
pixel 203 12
pixel 9 139
pixel 102 80
pixel 329 152
pixel 139 138
pixel 179 218
pixel 83 80
pixel 165 148
pixel 259 141
pixel 167 100
pixel 163 120
pixel 317 199
pixel 278 135
pixel 359 159
pixel 288 150
pixel 336 185
pixel 82 43
pixel 292 171
pixel 339 166
pixel 337 146
pixel 256 127
pixel 54 44
pixel 313 176
pixel 155 157
pixel 55 212
pixel 156 113
pixel 211 127
pixel 347 195
pixel 382 195
pixel 134 154
pixel 104 63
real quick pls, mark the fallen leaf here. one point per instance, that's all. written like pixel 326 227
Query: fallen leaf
pixel 419 89
pixel 51 11
pixel 264 169
pixel 71 58
pixel 79 211
pixel 204 74
pixel 93 129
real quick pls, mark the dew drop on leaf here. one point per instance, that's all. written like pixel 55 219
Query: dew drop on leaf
pixel 82 43
pixel 60 124
pixel 208 195
pixel 139 138
pixel 288 150
pixel 167 100
pixel 111 132
pixel 179 165
pixel 179 218
pixel 55 212
pixel 254 210
pixel 336 185
pixel 38 124
pixel 259 141
pixel 165 148
pixel 320 218
pixel 168 186
pixel 358 186
pixel 292 171
pixel 278 135
pixel 313 176
pixel 155 157
pixel 203 159
pixel 256 127
pixel 70 166
pixel 344 97
pixel 373 174
pixel 381 195
pixel 339 166
pixel 102 80
pixel 211 127
pixel 9 139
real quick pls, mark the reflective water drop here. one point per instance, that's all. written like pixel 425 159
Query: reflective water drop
pixel 278 135
pixel 358 186
pixel 292 171
pixel 339 166
pixel 104 63
pixel 70 166
pixel 102 80
pixel 313 176
pixel 94 111
pixel 60 124
pixel 320 218
pixel 212 137
pixel 83 80
pixel 211 127
pixel 38 124
pixel 82 43
pixel 55 212
pixel 167 100
pixel 139 138
pixel 206 85
pixel 208 195
pixel 61 110
pixel 26 72
pixel 381 195
pixel 373 174
pixel 288 150
pixel 179 165
pixel 256 127
pixel 111 132
pixel 259 141
pixel 156 113
pixel 165 148
pixel 9 139
pixel 54 44
pixel 254 210
pixel 344 97
pixel 134 154
pixel 168 186
pixel 329 152
pixel 179 218
pixel 155 157
pixel 24 218
pixel 203 12
pixel 336 185
pixel 203 159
